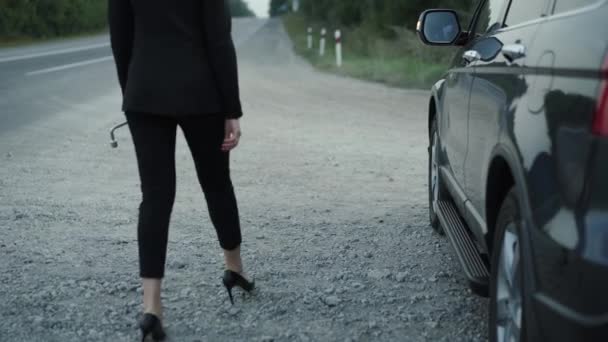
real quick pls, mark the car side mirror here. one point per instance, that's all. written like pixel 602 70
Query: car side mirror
pixel 438 27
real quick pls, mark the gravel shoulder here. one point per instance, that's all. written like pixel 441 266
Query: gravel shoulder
pixel 331 182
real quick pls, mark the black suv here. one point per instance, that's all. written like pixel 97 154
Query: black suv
pixel 518 161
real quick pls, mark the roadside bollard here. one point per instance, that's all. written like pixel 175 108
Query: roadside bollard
pixel 322 42
pixel 338 36
pixel 310 38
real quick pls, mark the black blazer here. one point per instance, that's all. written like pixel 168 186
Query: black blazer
pixel 175 57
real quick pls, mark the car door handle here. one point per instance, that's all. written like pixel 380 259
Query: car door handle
pixel 514 52
pixel 471 56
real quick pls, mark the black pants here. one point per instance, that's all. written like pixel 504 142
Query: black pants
pixel 154 139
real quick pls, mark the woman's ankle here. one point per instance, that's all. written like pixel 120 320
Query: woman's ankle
pixel 233 260
pixel 155 310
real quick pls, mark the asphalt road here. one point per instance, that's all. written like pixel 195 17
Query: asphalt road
pixel 331 182
pixel 40 80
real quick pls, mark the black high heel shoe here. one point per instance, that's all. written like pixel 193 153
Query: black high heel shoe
pixel 151 326
pixel 232 279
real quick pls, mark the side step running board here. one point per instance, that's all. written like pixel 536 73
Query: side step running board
pixel 475 269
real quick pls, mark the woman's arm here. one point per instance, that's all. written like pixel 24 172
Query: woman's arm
pixel 222 54
pixel 120 18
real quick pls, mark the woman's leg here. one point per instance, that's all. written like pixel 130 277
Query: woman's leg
pixel 154 140
pixel 205 136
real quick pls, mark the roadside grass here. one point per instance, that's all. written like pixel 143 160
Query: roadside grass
pixel 16 41
pixel 402 61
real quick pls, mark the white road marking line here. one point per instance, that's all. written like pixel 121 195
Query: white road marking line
pixel 53 52
pixel 69 66
pixel 98 60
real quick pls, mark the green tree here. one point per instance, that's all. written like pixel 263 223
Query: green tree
pixel 239 8
pixel 50 18
pixel 278 7
pixel 47 18
pixel 382 15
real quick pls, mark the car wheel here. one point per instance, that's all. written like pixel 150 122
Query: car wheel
pixel 436 191
pixel 507 291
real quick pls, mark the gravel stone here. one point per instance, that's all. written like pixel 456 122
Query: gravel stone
pixel 379 274
pixel 331 301
pixel 401 276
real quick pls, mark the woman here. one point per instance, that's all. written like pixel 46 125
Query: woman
pixel 177 66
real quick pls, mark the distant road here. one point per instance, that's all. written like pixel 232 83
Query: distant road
pixel 39 80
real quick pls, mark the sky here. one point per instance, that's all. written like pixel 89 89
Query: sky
pixel 260 7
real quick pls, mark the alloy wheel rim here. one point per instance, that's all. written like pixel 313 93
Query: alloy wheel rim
pixel 509 292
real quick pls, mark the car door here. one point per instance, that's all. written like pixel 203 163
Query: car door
pixel 453 125
pixel 567 204
pixel 499 83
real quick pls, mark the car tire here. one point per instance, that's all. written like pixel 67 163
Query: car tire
pixel 435 185
pixel 507 290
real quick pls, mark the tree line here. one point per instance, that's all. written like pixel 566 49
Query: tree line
pixel 239 8
pixel 48 18
pixel 381 15
pixel 51 18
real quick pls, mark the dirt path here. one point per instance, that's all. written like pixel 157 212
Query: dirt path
pixel 331 181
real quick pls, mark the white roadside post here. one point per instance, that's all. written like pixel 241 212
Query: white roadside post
pixel 322 42
pixel 309 38
pixel 338 36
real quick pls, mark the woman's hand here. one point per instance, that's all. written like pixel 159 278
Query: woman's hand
pixel 232 135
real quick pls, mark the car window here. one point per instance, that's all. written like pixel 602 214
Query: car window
pixel 569 5
pixel 521 11
pixel 489 17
